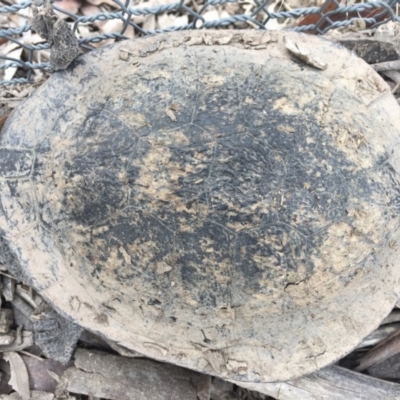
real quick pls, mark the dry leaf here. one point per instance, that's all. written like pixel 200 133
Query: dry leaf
pixel 6 338
pixel 8 47
pixel 18 21
pixel 204 388
pixel 224 15
pixel 277 23
pixel 375 14
pixel 155 3
pixel 211 15
pixel 71 6
pixel 167 20
pixel 10 72
pixel 32 38
pixel 84 31
pixel 20 92
pixel 19 375
pixel 303 53
pixel 90 9
pixel 99 2
pixel 44 374
pixel 149 23
pixel 314 19
pixel 115 25
pixel 3 121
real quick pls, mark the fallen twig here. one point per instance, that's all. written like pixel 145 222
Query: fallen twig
pixel 386 66
pixel 382 351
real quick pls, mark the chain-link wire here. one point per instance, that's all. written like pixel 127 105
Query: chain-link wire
pixel 318 20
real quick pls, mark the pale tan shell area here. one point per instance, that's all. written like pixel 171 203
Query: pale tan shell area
pixel 209 199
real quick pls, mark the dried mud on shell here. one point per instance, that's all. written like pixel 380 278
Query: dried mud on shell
pixel 372 90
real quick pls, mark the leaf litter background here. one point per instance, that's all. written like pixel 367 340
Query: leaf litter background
pixel 31 365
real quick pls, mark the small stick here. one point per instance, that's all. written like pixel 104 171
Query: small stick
pixel 393 75
pixel 386 66
pixel 31 355
pixel 7 275
pixel 381 352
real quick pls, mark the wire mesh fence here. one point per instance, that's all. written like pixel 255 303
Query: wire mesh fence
pixel 24 54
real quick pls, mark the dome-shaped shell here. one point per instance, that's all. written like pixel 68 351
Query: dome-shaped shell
pixel 210 199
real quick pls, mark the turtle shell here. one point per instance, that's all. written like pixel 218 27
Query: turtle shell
pixel 211 199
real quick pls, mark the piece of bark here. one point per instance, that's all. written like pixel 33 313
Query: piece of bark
pixel 56 336
pixel 381 352
pixel 34 395
pixel 6 320
pixel 8 260
pixel 395 77
pixel 351 360
pixel 26 293
pixel 121 350
pixel 90 340
pixel 39 395
pixel 6 339
pixel 387 66
pixel 378 335
pixel 386 340
pixel 394 316
pixel 371 50
pixel 62 392
pixel 22 341
pixel 8 288
pixel 22 320
pixel 388 369
pixel 5 374
pixel 11 396
pixel 38 372
pixel 204 388
pixel 115 377
pixel 20 304
pixel 330 383
pixel 222 390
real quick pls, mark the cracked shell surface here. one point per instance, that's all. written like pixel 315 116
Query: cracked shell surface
pixel 207 199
